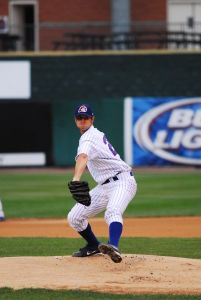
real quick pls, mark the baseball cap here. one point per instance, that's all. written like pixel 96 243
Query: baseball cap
pixel 84 109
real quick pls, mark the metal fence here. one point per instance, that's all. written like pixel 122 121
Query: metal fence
pixel 100 36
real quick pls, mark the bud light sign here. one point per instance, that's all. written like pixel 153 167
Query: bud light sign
pixel 166 131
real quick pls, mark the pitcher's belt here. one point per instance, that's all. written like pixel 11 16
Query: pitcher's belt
pixel 115 178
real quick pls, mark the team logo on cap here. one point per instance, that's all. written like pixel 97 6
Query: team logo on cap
pixel 83 109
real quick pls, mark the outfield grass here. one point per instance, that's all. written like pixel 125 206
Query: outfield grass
pixel 41 294
pixel 178 247
pixel 46 195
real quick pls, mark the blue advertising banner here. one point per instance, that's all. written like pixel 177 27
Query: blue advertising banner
pixel 162 131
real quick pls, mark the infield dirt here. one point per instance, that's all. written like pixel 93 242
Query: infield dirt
pixel 133 227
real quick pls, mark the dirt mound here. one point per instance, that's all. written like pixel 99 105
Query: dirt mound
pixel 135 274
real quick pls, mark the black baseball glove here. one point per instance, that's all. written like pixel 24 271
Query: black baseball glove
pixel 80 192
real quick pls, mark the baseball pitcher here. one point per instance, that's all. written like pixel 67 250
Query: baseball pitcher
pixel 116 187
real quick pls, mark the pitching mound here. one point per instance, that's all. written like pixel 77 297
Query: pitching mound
pixel 135 274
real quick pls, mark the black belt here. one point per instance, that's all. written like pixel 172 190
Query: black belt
pixel 115 178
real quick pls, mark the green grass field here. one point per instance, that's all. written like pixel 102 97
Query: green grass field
pixel 177 247
pixel 39 294
pixel 46 196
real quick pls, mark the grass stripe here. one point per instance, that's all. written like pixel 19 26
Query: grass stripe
pixel 42 294
pixel 46 195
pixel 178 247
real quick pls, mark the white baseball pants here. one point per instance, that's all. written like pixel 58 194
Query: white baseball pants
pixel 112 197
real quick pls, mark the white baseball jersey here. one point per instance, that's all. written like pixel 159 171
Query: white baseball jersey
pixel 113 196
pixel 103 161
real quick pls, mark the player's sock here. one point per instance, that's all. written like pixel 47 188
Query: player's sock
pixel 115 230
pixel 89 236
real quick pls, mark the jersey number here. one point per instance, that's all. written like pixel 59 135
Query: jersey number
pixel 109 145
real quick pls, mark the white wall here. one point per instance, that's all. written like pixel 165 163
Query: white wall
pixel 15 80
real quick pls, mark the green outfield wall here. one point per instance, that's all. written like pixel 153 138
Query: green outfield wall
pixel 108 118
pixel 103 79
